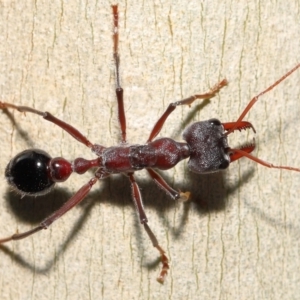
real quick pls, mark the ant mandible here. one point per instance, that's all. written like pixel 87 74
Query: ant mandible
pixel 33 171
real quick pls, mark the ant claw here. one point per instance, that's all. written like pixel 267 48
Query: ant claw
pixel 183 197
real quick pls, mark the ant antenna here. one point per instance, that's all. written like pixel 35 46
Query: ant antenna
pixel 254 99
pixel 230 127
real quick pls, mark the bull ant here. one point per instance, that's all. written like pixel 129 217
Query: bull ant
pixel 33 172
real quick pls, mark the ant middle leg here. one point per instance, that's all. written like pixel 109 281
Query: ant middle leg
pixel 137 198
pixel 188 101
pixel 49 117
pixel 119 90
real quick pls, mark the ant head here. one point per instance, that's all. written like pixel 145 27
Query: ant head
pixel 209 151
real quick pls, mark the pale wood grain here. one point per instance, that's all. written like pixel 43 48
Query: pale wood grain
pixel 239 237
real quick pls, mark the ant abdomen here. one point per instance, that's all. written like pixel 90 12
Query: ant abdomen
pixel 28 173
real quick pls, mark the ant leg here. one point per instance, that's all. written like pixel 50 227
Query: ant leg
pixel 49 117
pixel 74 200
pixel 137 198
pixel 119 90
pixel 188 101
pixel 164 185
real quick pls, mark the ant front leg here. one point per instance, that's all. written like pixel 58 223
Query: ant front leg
pixel 158 126
pixel 137 198
pixel 49 117
pixel 174 194
pixel 188 101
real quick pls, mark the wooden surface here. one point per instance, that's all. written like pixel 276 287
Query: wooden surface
pixel 238 238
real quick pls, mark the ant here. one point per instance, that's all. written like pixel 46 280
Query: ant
pixel 33 172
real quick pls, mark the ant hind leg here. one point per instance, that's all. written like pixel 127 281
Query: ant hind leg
pixel 76 134
pixel 74 200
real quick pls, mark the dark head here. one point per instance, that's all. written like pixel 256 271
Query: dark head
pixel 208 146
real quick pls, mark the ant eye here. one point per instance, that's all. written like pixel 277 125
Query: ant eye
pixel 215 122
pixel 27 172
pixel 224 164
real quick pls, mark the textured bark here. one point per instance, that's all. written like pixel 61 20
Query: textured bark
pixel 238 238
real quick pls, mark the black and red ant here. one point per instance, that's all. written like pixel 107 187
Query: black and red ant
pixel 33 171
